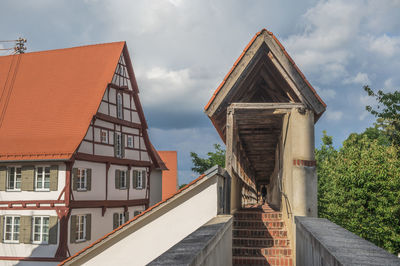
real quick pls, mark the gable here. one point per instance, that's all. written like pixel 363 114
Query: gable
pixel 49 98
pixel 264 73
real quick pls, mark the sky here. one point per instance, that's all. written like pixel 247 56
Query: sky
pixel 182 49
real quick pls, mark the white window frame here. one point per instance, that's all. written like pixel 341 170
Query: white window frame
pixel 105 139
pixel 13 231
pixel 80 220
pixel 120 108
pixel 81 185
pixel 121 218
pixel 119 144
pixel 41 232
pixel 122 176
pixel 129 141
pixel 43 178
pixel 140 179
pixel 15 178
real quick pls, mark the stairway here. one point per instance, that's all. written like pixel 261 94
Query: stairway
pixel 260 237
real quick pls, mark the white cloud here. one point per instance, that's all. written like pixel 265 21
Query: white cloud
pixel 334 115
pixel 326 94
pixel 384 45
pixel 360 78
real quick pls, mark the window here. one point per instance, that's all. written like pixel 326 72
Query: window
pixel 139 180
pixel 43 178
pixel 137 213
pixel 104 136
pixel 121 219
pixel 122 180
pixel 40 230
pixel 130 141
pixel 118 144
pixel 82 179
pixel 11 229
pixel 119 106
pixel 14 178
pixel 80 229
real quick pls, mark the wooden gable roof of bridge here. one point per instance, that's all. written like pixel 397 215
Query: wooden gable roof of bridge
pixel 263 84
pixel 264 72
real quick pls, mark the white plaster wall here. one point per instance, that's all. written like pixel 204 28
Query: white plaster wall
pixel 142 144
pixel 127 116
pixel 103 108
pixel 135 117
pixel 105 124
pixel 126 98
pixel 100 225
pixel 86 147
pixel 103 150
pixel 153 239
pixel 97 134
pixel 156 186
pixel 113 110
pixel 144 156
pixel 98 189
pixel 113 193
pixel 112 95
pixel 132 154
pixel 136 142
pixel 88 135
pixel 105 96
pixel 27 263
pixel 28 250
pixel 38 195
pixel 133 104
pixel 130 130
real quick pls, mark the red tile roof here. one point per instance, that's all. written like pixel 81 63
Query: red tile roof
pixel 240 58
pixel 169 177
pixel 47 99
pixel 103 238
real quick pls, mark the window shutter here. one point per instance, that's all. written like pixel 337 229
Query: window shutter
pixel 134 178
pixel 128 179
pixel 54 177
pixel 28 178
pixel 25 229
pixel 115 220
pixel 53 229
pixel 117 178
pixel 88 179
pixel 123 145
pixel 144 177
pixel 126 214
pixel 2 228
pixel 88 226
pixel 72 236
pixel 115 145
pixel 3 178
pixel 74 179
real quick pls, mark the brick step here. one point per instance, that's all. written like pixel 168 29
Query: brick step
pixel 241 261
pixel 257 216
pixel 258 224
pixel 260 242
pixel 261 252
pixel 272 233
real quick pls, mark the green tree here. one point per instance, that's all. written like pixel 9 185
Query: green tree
pixel 387 112
pixel 213 158
pixel 359 187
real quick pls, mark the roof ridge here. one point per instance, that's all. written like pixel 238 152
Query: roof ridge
pixel 67 48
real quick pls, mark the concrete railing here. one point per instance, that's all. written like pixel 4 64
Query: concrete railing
pixel 321 242
pixel 211 245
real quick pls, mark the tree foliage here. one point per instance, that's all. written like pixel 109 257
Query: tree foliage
pixel 359 186
pixel 387 112
pixel 200 165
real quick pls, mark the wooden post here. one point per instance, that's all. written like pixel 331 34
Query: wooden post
pixel 229 159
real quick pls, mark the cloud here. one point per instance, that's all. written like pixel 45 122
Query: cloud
pixel 384 45
pixel 360 78
pixel 326 94
pixel 334 115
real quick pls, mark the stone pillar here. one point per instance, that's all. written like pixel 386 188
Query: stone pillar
pixel 304 177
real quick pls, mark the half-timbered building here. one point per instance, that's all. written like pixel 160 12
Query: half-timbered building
pixel 75 157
